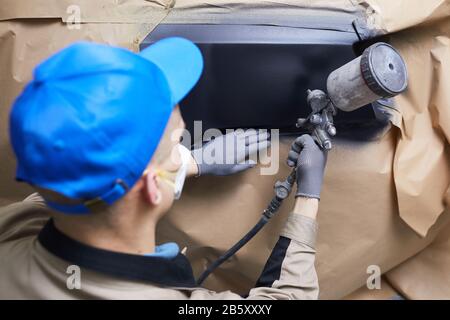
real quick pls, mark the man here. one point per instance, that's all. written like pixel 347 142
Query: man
pixel 96 133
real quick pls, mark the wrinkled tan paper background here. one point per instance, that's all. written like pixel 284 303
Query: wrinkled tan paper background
pixel 380 199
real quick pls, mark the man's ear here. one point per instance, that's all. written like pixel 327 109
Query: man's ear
pixel 151 188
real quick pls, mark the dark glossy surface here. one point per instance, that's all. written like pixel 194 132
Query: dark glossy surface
pixel 262 85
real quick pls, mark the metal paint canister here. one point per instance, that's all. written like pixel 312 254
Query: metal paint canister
pixel 379 72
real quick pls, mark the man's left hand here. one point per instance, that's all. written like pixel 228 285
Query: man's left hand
pixel 228 154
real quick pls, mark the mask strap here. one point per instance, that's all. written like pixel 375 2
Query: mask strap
pixel 185 155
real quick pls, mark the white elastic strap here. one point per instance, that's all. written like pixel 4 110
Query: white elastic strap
pixel 185 155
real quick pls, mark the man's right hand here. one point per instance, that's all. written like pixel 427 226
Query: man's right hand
pixel 310 161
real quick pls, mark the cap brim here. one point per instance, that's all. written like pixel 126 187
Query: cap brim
pixel 181 62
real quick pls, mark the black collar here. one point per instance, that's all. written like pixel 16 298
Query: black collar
pixel 176 272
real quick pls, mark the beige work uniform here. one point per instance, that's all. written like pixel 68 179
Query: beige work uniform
pixel 39 262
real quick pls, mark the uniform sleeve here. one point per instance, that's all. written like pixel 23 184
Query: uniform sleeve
pixel 289 272
pixel 23 219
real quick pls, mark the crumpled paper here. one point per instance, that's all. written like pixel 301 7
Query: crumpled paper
pixel 383 201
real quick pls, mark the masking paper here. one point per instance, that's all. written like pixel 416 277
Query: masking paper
pixel 378 291
pixel 426 275
pixel 383 200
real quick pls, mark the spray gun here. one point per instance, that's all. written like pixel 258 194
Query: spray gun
pixel 379 72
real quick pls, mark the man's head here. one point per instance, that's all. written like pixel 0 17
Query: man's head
pixel 96 128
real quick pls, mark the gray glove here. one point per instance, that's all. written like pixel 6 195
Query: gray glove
pixel 228 154
pixel 310 160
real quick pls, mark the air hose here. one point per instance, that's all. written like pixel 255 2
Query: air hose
pixel 282 191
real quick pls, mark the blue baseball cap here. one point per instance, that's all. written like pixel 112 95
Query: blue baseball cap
pixel 89 122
